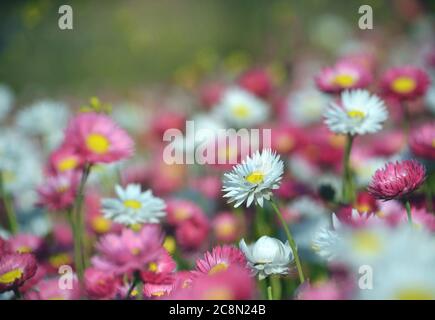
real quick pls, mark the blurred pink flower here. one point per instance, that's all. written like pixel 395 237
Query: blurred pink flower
pixel 98 139
pixel 65 158
pixel 25 243
pixel 422 141
pixel 129 251
pixel 49 290
pixel 227 227
pixel 320 291
pixel 100 284
pixel 405 83
pixel 58 192
pixel 343 75
pixel 397 179
pixel 257 81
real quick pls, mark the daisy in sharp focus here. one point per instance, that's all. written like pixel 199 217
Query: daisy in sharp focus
pixel 359 113
pixel 254 179
pixel 133 206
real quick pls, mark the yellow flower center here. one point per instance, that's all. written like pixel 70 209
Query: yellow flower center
pixel 225 229
pixel 133 204
pixel 59 259
pixel 181 214
pixel 67 164
pixel 152 267
pixel 363 207
pixel 356 114
pixel 433 143
pixel 101 224
pixel 241 111
pixel 344 80
pixel 366 242
pixel 255 177
pixel 337 141
pixel 24 249
pixel 11 276
pixel 158 293
pixel 169 244
pixel 414 294
pixel 97 143
pixel 218 294
pixel 403 85
pixel 135 251
pixel 218 268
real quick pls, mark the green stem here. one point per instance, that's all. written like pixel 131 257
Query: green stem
pixel 269 293
pixel 406 119
pixel 17 294
pixel 8 206
pixel 348 192
pixel 134 283
pixel 428 192
pixel 290 241
pixel 275 280
pixel 80 224
pixel 408 211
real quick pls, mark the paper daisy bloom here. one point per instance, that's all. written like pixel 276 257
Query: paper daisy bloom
pixel 133 206
pixel 267 256
pixel 220 259
pixel 254 179
pixel 59 191
pixel 63 159
pixel 422 141
pixel 359 113
pixel 343 76
pixel 241 109
pixel 15 269
pixel 98 139
pixel 397 180
pixel 405 83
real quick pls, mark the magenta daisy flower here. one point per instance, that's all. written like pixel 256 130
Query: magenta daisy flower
pixel 397 180
pixel 220 259
pixel 343 76
pixel 100 284
pixel 65 158
pixel 422 141
pixel 15 269
pixel 129 251
pixel 405 83
pixel 25 243
pixel 97 138
pixel 58 192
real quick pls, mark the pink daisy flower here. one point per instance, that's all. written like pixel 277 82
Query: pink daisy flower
pixel 321 291
pixel 405 83
pixel 235 283
pixel 63 159
pixel 100 284
pixel 15 269
pixel 342 76
pixel 49 290
pixel 129 251
pixel 159 273
pixel 192 233
pixel 97 138
pixel 220 259
pixel 59 191
pixel 397 180
pixel 180 210
pixel 422 141
pixel 25 243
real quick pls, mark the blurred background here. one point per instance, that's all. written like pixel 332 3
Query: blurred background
pixel 123 46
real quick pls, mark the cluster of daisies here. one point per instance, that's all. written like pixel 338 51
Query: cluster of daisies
pixel 341 206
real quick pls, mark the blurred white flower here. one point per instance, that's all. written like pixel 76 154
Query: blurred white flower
pixel 133 206
pixel 44 118
pixel 306 106
pixel 267 256
pixel 359 113
pixel 240 109
pixel 254 179
pixel 6 101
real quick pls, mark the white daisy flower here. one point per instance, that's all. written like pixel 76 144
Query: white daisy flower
pixel 360 113
pixel 399 276
pixel 241 109
pixel 254 179
pixel 324 243
pixel 133 206
pixel 6 101
pixel 306 106
pixel 267 256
